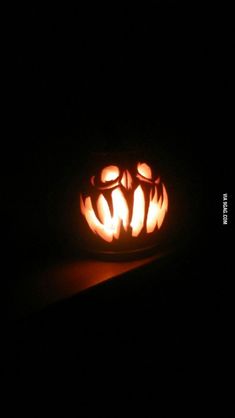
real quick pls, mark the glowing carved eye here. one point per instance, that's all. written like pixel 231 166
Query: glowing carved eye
pixel 144 170
pixel 109 173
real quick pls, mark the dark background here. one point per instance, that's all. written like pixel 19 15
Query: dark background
pixel 97 80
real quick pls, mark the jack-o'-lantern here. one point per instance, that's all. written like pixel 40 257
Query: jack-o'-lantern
pixel 123 207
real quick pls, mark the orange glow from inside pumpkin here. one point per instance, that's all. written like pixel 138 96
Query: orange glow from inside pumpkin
pixel 145 214
pixel 109 173
pixel 144 170
pixel 126 180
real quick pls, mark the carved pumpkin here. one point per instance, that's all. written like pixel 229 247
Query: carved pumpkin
pixel 124 205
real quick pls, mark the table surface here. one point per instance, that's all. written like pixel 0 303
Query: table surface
pixel 64 280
